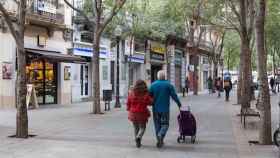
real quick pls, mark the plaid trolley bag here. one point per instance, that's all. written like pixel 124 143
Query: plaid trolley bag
pixel 187 126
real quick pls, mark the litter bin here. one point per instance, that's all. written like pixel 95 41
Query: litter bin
pixel 107 98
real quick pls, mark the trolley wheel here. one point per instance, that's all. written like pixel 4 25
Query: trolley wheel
pixel 276 137
pixel 193 139
pixel 181 139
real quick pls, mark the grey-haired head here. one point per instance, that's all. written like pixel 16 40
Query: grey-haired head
pixel 161 75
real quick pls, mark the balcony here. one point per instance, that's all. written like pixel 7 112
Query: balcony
pixel 45 13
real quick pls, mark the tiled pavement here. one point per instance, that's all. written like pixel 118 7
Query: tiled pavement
pixel 70 131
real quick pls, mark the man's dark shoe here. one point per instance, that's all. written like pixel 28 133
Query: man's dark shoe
pixel 138 142
pixel 160 142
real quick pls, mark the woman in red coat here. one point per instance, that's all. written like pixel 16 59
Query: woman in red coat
pixel 137 106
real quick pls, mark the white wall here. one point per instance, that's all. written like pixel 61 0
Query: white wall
pixel 7 54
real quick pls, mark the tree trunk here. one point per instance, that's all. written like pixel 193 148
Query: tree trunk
pixel 22 115
pixel 95 73
pixel 239 83
pixel 246 82
pixel 215 70
pixel 264 102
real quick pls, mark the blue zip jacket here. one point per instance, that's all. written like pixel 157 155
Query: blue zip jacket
pixel 162 90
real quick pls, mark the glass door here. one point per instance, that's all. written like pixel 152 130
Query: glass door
pixel 42 75
pixel 84 78
pixel 50 83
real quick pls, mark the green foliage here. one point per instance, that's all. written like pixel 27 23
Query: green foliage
pixel 158 18
pixel 273 33
pixel 231 50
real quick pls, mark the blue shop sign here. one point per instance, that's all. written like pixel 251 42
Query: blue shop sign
pixel 87 52
pixel 137 58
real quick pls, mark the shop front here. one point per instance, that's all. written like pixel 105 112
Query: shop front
pixel 157 58
pixel 43 73
pixel 81 86
pixel 136 61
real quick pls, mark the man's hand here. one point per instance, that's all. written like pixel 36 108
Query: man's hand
pixel 179 106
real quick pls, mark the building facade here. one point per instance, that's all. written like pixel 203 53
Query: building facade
pixel 47 41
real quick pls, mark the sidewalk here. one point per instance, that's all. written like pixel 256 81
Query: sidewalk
pixel 70 131
pixel 242 135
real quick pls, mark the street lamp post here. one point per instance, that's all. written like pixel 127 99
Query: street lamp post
pixel 118 33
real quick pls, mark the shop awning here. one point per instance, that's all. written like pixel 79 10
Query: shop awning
pixel 55 56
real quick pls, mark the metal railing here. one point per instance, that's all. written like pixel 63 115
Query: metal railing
pixel 45 11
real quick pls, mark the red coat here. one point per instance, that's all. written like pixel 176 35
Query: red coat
pixel 137 106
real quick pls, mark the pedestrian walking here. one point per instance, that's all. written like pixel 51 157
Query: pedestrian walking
pixel 272 83
pixel 219 86
pixel 210 84
pixel 227 87
pixel 161 91
pixel 277 83
pixel 137 106
pixel 187 86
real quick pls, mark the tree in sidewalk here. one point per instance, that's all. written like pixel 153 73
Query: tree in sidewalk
pixel 98 23
pixel 216 37
pixel 240 16
pixel 16 25
pixel 194 35
pixel 264 97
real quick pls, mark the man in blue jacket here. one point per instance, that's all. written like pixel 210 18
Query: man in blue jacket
pixel 162 90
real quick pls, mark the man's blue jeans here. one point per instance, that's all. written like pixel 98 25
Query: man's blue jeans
pixel 161 123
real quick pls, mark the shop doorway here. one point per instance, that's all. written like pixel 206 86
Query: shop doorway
pixel 43 75
pixel 84 78
pixel 154 70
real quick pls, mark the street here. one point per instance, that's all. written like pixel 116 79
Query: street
pixel 70 131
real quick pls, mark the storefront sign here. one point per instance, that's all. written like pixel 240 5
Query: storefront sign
pixel 158 48
pixel 67 73
pixel 156 56
pixel 7 70
pixel 137 58
pixel 87 52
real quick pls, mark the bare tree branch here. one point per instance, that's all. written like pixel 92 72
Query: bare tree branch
pixel 234 9
pixel 97 7
pixel 9 22
pixel 117 7
pixel 222 43
pixel 200 36
pixel 228 21
pixel 79 11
